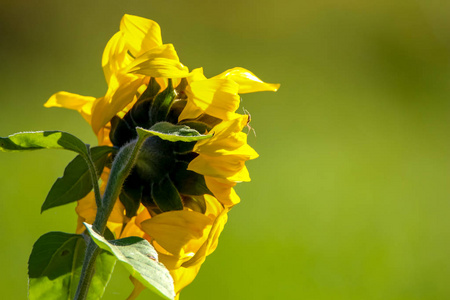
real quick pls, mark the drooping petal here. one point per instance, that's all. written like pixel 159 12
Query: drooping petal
pixel 140 34
pixel 183 277
pixel 161 61
pixel 83 104
pixel 174 229
pixel 211 243
pixel 248 82
pixel 216 97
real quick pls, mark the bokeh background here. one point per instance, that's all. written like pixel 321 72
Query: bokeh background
pixel 350 198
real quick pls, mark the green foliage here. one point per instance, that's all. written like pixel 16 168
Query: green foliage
pixel 42 140
pixel 76 182
pixel 55 263
pixel 172 133
pixel 141 260
pixel 162 103
pixel 131 199
pixel 166 195
pixel 188 182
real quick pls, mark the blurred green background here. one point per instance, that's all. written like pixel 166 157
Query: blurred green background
pixel 350 198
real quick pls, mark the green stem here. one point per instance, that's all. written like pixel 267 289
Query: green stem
pixel 121 168
pixel 92 251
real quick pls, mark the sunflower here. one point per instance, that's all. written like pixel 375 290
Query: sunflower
pixel 178 194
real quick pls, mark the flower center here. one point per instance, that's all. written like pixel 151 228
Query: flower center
pixel 160 179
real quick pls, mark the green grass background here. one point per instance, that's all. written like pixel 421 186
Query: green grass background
pixel 350 198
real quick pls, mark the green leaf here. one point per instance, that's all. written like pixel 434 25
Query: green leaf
pixel 42 140
pixel 188 182
pixel 55 265
pixel 166 195
pixel 141 260
pixel 172 133
pixel 76 182
pixel 131 199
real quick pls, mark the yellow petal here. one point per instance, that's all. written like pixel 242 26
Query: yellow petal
pixel 229 167
pixel 183 277
pixel 121 92
pixel 248 82
pixel 140 34
pixel 115 57
pixel 216 97
pixel 196 75
pixel 160 61
pixel 86 208
pixel 174 229
pixel 190 111
pixel 138 288
pixel 222 190
pixel 213 237
pixel 227 140
pixel 83 104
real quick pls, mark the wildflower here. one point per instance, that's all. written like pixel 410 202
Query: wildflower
pixel 178 194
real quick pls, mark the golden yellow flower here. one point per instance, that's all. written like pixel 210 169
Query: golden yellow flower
pixel 181 192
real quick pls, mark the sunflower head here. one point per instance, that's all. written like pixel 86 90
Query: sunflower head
pixel 178 194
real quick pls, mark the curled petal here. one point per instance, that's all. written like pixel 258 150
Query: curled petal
pixel 216 97
pixel 248 82
pixel 115 57
pixel 162 67
pixel 160 61
pixel 83 104
pixel 140 34
pixel 196 75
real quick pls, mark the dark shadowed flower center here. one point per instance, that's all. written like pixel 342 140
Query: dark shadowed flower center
pixel 160 179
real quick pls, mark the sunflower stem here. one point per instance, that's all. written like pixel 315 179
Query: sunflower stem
pixel 121 168
pixel 92 251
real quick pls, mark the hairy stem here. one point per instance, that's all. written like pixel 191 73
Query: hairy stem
pixel 92 251
pixel 121 168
